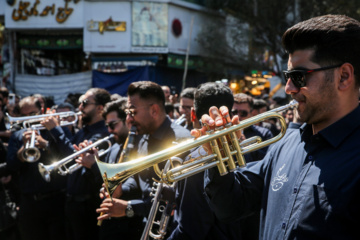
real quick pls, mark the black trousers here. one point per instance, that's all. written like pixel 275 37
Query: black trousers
pixel 122 228
pixel 81 217
pixel 42 218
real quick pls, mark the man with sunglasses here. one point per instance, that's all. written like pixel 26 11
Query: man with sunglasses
pixel 84 184
pixel 186 103
pixel 307 186
pixel 155 130
pixel 42 203
pixel 243 106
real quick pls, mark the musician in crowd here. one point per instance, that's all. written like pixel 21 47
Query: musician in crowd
pixel 68 107
pixel 186 103
pixel 192 205
pixel 146 111
pixel 115 118
pixel 83 185
pixel 297 186
pixel 261 106
pixel 41 214
pixel 243 106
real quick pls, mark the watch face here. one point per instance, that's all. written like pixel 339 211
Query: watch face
pixel 129 212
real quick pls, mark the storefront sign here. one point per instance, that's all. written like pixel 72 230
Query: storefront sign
pixel 25 10
pixel 44 14
pixel 108 25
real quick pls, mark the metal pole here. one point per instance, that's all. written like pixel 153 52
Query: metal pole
pixel 187 55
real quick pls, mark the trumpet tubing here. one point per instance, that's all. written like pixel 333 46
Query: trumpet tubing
pixel 31 153
pixel 33 121
pixel 60 165
pixel 117 173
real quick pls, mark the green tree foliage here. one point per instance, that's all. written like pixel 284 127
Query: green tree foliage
pixel 268 19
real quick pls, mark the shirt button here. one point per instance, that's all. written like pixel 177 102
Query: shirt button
pixel 283 225
pixel 310 157
pixel 295 190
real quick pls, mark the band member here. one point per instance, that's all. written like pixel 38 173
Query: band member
pixel 297 186
pixel 41 214
pixel 115 118
pixel 186 103
pixel 191 204
pixel 146 111
pixel 83 185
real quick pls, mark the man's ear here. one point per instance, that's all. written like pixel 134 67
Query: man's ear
pixel 347 78
pixel 154 110
pixel 100 108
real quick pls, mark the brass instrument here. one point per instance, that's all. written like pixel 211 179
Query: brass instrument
pixel 45 170
pixel 160 193
pixel 32 122
pixel 222 155
pixel 31 152
pixel 181 120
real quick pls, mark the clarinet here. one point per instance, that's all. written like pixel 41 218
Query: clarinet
pixel 128 146
pixel 124 156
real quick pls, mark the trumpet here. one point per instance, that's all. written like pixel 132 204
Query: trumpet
pixel 33 121
pixel 160 193
pixel 181 120
pixel 223 153
pixel 45 170
pixel 31 153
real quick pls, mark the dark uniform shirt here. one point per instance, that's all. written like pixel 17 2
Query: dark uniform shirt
pixel 84 181
pixel 194 219
pixel 307 187
pixel 30 179
pixel 162 138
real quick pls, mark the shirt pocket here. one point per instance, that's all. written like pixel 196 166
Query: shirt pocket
pixel 317 209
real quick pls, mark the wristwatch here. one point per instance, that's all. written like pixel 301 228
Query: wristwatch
pixel 129 210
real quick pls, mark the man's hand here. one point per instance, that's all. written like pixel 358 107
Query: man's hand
pixel 215 118
pixel 112 208
pixel 50 122
pixel 116 194
pixel 86 159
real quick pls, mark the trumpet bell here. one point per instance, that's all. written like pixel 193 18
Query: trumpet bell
pixel 32 154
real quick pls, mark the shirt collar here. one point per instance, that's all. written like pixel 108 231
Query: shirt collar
pixel 336 132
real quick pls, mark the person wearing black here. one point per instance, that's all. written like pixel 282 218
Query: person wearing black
pixel 83 185
pixel 307 186
pixel 243 106
pixel 115 118
pixel 146 111
pixel 41 214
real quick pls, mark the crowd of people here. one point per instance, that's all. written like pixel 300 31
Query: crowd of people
pixel 305 186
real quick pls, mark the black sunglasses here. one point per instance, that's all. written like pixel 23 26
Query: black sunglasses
pixel 86 102
pixel 112 124
pixel 240 113
pixel 297 76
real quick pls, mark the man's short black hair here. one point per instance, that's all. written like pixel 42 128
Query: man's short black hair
pixel 149 91
pixel 334 38
pixel 101 96
pixel 117 106
pixel 212 94
pixel 188 93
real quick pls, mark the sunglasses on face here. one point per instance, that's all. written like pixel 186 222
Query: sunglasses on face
pixel 86 102
pixel 132 111
pixel 112 124
pixel 240 113
pixel 297 76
